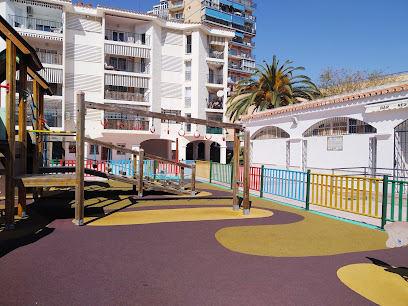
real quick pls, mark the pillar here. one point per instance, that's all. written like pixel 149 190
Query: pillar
pixel 183 152
pixel 223 154
pixel 207 148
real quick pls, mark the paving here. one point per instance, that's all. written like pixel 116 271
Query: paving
pixel 280 255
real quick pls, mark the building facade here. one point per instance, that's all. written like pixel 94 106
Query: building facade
pixel 364 132
pixel 236 15
pixel 118 56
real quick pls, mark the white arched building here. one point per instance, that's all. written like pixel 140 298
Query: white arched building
pixel 364 131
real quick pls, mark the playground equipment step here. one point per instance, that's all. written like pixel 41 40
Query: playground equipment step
pixel 46 180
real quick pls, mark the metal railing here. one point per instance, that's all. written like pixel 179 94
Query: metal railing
pixel 126 96
pixel 215 79
pixel 396 195
pixel 177 4
pixel 242 55
pixel 215 54
pixel 121 124
pixel 127 66
pixel 35 23
pixel 244 42
pixel 129 37
pixel 50 58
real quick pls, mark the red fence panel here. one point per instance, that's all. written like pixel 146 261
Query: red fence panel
pixel 254 177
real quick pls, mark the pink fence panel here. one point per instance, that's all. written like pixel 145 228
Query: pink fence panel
pixel 254 177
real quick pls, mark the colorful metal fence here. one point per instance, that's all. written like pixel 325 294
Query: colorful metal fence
pixel 285 183
pixel 221 173
pixel 397 200
pixel 358 195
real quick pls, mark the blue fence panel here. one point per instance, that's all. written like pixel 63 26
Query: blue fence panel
pixel 285 183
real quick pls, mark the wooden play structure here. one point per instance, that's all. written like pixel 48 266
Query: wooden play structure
pixel 21 57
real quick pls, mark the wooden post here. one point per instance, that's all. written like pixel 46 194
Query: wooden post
pixel 247 152
pixel 11 132
pixel 140 182
pixel 22 135
pixel 182 178
pixel 79 167
pixel 235 189
pixel 36 95
pixel 193 178
pixel 134 170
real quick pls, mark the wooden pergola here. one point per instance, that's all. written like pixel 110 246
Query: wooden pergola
pixel 22 57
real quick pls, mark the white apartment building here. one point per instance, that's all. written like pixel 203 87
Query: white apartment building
pixel 119 56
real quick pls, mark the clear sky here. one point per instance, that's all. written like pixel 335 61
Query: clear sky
pixel 356 34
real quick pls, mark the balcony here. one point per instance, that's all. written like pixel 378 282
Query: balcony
pixel 50 58
pixel 243 42
pixel 176 5
pixel 125 124
pixel 215 79
pixel 126 96
pixel 35 24
pixel 128 37
pixel 215 54
pixel 240 54
pixel 240 68
pixel 214 102
pixel 116 64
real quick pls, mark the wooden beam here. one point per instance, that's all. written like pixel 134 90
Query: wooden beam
pixel 130 109
pixel 22 135
pixel 14 39
pixel 141 164
pixel 247 152
pixel 235 177
pixel 80 156
pixel 11 131
pixel 40 80
pixel 129 151
pixel 182 178
pixel 36 98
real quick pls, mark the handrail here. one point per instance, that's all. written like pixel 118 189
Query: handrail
pixel 134 152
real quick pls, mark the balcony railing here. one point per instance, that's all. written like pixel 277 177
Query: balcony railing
pixel 125 124
pixel 215 54
pixel 188 75
pixel 50 58
pixel 35 24
pixel 214 102
pixel 215 79
pixel 176 5
pixel 127 66
pixel 242 55
pixel 244 42
pixel 134 38
pixel 240 67
pixel 126 96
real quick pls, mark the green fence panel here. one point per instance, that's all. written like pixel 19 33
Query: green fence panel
pixel 221 173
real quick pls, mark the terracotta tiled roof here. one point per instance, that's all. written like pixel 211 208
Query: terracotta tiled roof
pixel 327 101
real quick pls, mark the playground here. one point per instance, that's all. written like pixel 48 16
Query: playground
pixel 163 249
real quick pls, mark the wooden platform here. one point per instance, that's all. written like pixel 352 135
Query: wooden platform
pixel 46 180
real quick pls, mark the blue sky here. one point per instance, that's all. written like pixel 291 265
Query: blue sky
pixel 358 34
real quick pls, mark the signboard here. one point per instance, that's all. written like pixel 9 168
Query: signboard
pixel 378 107
pixel 335 143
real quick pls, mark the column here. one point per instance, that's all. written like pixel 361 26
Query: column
pixel 223 154
pixel 207 148
pixel 183 152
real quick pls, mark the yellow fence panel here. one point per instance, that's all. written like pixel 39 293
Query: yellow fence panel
pixel 203 169
pixel 352 194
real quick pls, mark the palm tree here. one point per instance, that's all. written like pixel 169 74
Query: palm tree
pixel 270 86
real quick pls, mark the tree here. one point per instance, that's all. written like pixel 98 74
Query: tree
pixel 343 80
pixel 270 86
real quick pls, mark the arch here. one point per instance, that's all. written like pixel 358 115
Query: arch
pixel 201 151
pixel 270 132
pixel 158 147
pixel 215 150
pixel 339 126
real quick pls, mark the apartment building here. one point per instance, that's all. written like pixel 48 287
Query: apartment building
pixel 161 9
pixel 119 56
pixel 236 15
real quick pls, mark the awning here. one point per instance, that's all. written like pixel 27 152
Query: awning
pixel 126 81
pixel 226 2
pixel 238 20
pixel 378 107
pixel 238 6
pixel 238 34
pixel 218 15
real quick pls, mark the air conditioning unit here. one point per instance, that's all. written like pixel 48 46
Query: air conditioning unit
pixel 30 11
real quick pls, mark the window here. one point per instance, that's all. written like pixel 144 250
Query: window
pixel 339 126
pixel 188 43
pixel 188 125
pixel 188 71
pixel 170 112
pixel 93 149
pixel 234 52
pixel 270 132
pixel 188 97
pixel 122 145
